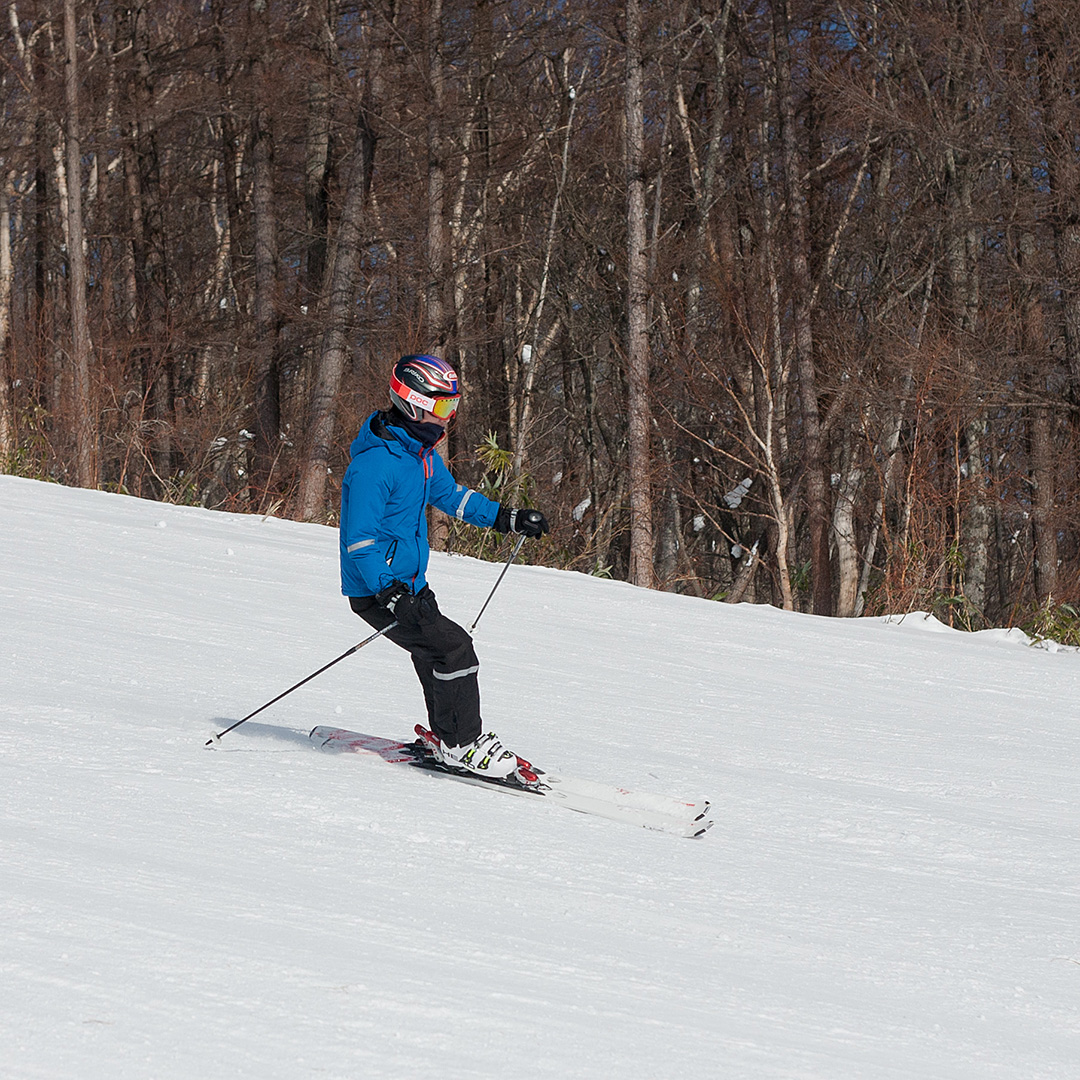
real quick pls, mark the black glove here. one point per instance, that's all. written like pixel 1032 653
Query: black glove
pixel 526 522
pixel 408 608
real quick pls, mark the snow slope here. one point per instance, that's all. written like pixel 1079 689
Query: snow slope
pixel 892 888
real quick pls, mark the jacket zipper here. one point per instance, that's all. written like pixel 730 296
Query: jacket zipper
pixel 425 460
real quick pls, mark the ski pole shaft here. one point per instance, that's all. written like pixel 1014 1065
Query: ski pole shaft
pixel 378 633
pixel 513 556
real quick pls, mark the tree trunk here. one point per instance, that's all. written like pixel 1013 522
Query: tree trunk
pixel 435 290
pixel 1056 102
pixel 847 548
pixel 962 260
pixel 703 175
pixel 267 410
pixel 770 372
pixel 86 464
pixel 435 293
pixel 317 158
pixel 1033 349
pixel 1042 518
pixel 1065 222
pixel 817 487
pixel 146 215
pixel 7 415
pixel 890 445
pixel 637 299
pixel 335 344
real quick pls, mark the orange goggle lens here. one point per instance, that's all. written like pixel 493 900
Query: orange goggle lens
pixel 445 407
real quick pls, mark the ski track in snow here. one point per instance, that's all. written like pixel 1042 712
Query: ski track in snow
pixel 891 889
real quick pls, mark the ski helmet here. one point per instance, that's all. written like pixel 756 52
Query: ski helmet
pixel 420 384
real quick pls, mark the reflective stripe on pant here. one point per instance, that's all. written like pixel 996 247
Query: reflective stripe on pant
pixel 446 664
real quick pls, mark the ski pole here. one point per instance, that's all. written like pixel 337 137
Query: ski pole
pixel 378 633
pixel 513 556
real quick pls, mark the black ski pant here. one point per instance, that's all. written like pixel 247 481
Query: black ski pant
pixel 446 663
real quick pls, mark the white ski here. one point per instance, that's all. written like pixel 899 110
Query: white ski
pixel 660 813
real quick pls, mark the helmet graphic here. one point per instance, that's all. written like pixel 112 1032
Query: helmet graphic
pixel 420 384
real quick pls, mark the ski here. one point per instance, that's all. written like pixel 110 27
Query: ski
pixel 660 813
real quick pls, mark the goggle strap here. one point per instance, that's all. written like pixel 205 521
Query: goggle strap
pixel 436 406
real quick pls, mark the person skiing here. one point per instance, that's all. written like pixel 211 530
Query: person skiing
pixel 394 474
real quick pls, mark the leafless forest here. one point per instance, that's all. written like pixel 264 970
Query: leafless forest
pixel 761 301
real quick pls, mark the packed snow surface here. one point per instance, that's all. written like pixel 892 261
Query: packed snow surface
pixel 891 889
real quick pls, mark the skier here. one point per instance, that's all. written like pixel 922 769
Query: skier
pixel 395 473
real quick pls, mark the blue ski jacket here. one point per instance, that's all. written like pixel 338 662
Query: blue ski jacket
pixel 387 487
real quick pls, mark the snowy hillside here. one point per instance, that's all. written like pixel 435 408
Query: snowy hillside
pixel 891 889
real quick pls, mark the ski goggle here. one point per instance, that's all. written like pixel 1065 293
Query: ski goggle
pixel 445 407
pixel 442 407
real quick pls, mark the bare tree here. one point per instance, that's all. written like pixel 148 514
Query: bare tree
pixel 7 417
pixel 829 248
pixel 267 407
pixel 642 571
pixel 437 248
pixel 85 426
pixel 814 461
pixel 335 343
